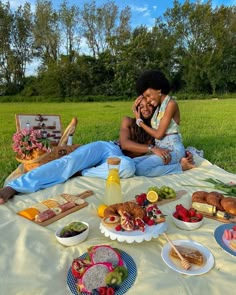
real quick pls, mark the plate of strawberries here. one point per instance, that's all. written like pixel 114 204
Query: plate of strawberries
pixel 187 218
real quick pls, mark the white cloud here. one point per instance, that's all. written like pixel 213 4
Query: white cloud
pixel 138 8
pixel 14 4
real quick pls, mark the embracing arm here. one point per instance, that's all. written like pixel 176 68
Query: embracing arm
pixel 126 141
pixel 172 111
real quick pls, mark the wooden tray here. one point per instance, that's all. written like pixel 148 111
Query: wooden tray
pixel 83 195
pixel 179 195
pixel 223 220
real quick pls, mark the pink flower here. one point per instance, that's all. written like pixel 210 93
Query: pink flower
pixel 27 140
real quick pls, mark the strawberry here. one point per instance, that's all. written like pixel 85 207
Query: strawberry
pixel 183 214
pixel 199 216
pixel 192 212
pixel 140 199
pixel 146 219
pixel 118 227
pixel 110 291
pixel 179 207
pixel 176 215
pixel 186 219
pixel 234 228
pixel 112 218
pixel 102 290
pixel 151 222
pixel 182 211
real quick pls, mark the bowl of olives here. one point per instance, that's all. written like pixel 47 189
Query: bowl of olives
pixel 72 234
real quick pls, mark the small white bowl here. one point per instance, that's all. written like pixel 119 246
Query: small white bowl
pixel 186 225
pixel 72 241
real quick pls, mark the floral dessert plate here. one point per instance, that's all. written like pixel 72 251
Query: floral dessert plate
pixel 175 264
pixel 219 237
pixel 124 287
pixel 136 235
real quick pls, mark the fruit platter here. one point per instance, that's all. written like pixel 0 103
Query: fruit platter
pixel 138 220
pixel 102 270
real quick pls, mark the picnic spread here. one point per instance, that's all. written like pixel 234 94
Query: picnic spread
pixel 32 261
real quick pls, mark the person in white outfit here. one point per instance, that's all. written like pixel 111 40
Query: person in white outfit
pixel 165 126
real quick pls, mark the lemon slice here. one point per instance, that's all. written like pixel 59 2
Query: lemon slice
pixel 152 196
pixel 101 209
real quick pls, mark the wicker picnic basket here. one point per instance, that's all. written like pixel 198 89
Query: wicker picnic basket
pixel 39 158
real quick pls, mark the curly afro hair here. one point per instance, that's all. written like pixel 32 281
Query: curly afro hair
pixel 154 79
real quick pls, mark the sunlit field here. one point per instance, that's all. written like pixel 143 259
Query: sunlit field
pixel 208 125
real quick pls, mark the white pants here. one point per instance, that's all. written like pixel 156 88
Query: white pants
pixel 90 159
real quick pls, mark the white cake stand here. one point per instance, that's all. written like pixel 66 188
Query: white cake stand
pixel 136 235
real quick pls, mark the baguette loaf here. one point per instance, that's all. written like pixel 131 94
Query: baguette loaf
pixel 191 255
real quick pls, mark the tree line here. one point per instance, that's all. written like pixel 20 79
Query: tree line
pixel 93 50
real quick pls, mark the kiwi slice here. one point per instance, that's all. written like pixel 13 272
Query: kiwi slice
pixel 77 226
pixel 122 271
pixel 113 278
pixel 65 232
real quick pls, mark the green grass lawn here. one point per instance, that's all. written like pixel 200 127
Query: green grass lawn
pixel 208 125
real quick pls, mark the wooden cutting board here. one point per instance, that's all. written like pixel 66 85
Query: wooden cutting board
pixel 83 195
pixel 223 220
pixel 179 195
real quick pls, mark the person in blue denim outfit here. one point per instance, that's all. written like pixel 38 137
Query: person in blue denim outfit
pixel 168 149
pixel 90 159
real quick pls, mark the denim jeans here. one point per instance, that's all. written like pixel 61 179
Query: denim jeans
pixel 90 159
pixel 153 165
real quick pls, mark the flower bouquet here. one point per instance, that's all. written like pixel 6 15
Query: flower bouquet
pixel 30 146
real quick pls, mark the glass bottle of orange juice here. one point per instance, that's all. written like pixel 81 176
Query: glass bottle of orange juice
pixel 113 194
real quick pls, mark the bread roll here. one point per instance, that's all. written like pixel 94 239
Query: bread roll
pixel 229 205
pixel 199 196
pixel 214 199
pixel 191 255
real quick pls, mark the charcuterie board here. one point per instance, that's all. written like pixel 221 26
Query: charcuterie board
pixel 82 195
pixel 223 220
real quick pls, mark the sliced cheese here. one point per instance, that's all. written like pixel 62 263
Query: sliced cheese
pixel 40 207
pixel 29 213
pixel 59 199
pixel 50 203
pixel 204 208
pixel 74 199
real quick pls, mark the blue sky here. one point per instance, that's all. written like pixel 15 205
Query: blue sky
pixel 144 12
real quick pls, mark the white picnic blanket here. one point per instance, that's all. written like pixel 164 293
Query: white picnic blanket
pixel 33 262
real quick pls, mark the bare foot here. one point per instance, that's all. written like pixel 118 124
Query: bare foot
pixel 6 193
pixel 186 164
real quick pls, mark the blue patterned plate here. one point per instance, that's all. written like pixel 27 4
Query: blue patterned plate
pixel 132 273
pixel 218 234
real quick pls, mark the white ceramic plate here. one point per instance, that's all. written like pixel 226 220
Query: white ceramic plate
pixel 175 264
pixel 136 235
